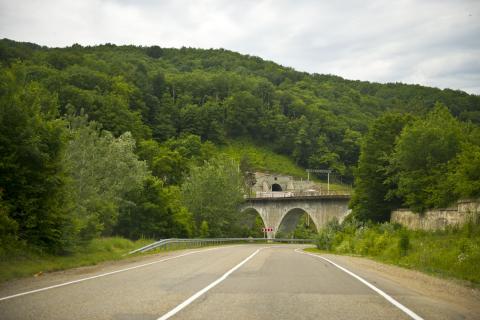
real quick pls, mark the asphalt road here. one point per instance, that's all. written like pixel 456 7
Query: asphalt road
pixel 234 282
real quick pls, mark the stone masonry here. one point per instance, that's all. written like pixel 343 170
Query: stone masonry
pixel 438 219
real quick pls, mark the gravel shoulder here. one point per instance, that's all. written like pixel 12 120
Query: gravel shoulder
pixel 457 295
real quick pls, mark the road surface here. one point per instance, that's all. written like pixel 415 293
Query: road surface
pixel 230 282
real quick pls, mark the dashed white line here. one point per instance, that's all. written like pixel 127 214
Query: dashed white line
pixel 106 274
pixel 210 286
pixel 397 304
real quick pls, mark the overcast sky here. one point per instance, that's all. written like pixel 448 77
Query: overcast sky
pixel 429 42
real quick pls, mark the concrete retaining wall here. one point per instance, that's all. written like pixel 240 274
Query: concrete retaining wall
pixel 438 218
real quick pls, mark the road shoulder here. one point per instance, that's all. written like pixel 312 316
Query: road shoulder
pixel 455 294
pixel 56 277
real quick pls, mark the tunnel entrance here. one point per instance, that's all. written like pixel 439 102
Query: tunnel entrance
pixel 276 187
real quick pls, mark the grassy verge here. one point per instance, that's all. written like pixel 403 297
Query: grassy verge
pixel 24 263
pixel 452 253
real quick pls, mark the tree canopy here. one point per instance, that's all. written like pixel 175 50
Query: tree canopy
pixel 131 140
pixel 213 192
pixel 420 163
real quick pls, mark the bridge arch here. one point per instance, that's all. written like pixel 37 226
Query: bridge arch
pixel 250 212
pixel 289 220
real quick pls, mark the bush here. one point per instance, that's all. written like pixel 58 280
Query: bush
pixel 454 252
pixel 326 236
pixel 403 243
pixel 325 240
pixel 8 229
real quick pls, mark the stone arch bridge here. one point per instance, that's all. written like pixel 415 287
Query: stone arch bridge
pixel 276 211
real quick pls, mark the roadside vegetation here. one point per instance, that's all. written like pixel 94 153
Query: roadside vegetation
pixel 24 261
pixel 417 163
pixel 420 163
pixel 452 253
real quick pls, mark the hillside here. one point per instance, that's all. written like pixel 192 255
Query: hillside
pixel 128 141
pixel 160 93
pixel 261 158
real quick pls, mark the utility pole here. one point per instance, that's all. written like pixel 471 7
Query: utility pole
pixel 328 182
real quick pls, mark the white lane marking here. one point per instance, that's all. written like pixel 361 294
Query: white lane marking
pixel 210 286
pixel 107 274
pixel 397 304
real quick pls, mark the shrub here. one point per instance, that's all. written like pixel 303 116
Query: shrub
pixel 452 252
pixel 325 240
pixel 403 243
pixel 327 235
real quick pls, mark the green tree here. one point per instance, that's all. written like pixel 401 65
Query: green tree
pixel 170 161
pixel 204 230
pixel 371 199
pixel 248 172
pixel 8 229
pixel 420 162
pixel 212 193
pixel 32 171
pixel 465 174
pixel 243 110
pixel 149 212
pixel 103 169
pixel 166 164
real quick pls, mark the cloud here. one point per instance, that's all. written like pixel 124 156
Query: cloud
pixel 429 42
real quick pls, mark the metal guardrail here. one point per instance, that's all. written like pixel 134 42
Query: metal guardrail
pixel 201 242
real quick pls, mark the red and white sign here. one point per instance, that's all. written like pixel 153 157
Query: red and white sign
pixel 267 229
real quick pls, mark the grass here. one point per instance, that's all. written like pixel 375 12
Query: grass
pixel 24 263
pixel 262 158
pixel 452 253
pixel 265 160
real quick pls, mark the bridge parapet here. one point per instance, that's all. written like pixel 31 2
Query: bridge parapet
pixel 300 195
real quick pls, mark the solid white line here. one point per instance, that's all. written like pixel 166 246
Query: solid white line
pixel 107 274
pixel 210 286
pixel 397 304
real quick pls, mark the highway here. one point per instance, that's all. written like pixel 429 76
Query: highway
pixel 228 282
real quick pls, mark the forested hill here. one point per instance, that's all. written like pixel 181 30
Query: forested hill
pixel 220 95
pixel 140 141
